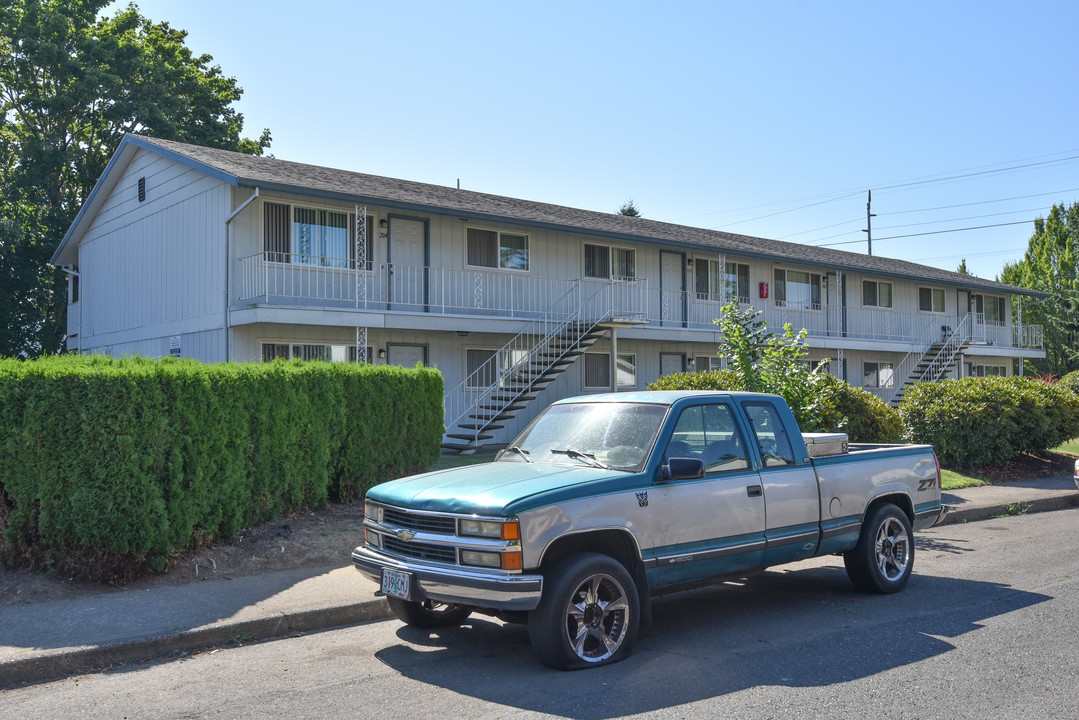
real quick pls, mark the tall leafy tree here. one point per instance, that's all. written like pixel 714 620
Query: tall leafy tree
pixel 1051 265
pixel 71 84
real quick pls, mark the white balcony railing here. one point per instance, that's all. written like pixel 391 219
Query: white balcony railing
pixel 282 279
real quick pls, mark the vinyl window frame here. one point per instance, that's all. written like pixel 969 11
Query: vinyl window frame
pixel 500 250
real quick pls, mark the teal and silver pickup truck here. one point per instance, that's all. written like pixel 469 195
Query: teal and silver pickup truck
pixel 607 500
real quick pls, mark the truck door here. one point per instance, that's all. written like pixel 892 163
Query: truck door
pixel 708 526
pixel 792 526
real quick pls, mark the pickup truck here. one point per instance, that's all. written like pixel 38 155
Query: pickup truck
pixel 605 501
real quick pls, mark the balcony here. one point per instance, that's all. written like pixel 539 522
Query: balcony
pixel 308 281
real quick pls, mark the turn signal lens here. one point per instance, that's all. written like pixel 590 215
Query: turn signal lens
pixel 511 561
pixel 511 530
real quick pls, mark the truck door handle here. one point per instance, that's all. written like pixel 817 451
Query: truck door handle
pixel 754 491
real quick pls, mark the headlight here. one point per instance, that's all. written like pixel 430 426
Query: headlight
pixel 373 538
pixel 481 528
pixel 373 512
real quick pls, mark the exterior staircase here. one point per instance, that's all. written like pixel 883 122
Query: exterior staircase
pixel 520 370
pixel 935 361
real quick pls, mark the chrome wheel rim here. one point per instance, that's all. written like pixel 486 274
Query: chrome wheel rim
pixel 892 550
pixel 597 618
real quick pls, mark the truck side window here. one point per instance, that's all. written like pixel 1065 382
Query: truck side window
pixel 708 432
pixel 771 434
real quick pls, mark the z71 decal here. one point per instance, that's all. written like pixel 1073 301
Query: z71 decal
pixel 927 484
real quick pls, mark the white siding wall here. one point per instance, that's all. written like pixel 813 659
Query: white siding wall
pixel 156 268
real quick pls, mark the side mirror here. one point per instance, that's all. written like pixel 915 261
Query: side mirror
pixel 684 469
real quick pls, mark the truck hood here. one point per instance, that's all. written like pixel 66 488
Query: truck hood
pixel 497 488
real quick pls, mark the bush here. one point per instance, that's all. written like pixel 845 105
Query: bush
pixel 109 467
pixel 1070 381
pixel 983 422
pixel 843 407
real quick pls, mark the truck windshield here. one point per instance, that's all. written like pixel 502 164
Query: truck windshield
pixel 612 435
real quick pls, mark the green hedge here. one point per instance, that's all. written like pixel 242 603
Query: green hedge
pixel 983 422
pixel 838 406
pixel 1071 381
pixel 108 467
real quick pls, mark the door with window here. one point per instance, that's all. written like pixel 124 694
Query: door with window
pixel 711 525
pixel 407 275
pixel 790 487
pixel 672 288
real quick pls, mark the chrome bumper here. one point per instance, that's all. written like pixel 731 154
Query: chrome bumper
pixel 455 585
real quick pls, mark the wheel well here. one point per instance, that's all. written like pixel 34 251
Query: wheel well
pixel 616 543
pixel 900 500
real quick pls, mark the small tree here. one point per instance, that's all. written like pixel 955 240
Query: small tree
pixel 764 363
pixel 629 208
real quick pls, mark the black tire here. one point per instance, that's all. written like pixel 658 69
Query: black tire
pixel 588 615
pixel 883 559
pixel 428 614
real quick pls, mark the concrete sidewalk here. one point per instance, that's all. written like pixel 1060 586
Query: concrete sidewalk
pixel 49 640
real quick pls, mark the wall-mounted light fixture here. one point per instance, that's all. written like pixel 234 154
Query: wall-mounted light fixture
pixel 689 263
pixel 689 362
pixel 382 353
pixel 382 223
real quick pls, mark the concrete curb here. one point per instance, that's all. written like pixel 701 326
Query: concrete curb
pixel 1020 507
pixel 68 662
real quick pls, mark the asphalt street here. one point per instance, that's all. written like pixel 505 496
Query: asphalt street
pixel 985 629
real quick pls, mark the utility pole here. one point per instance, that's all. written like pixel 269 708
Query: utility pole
pixel 868 222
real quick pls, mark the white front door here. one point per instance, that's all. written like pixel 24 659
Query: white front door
pixel 407 274
pixel 671 283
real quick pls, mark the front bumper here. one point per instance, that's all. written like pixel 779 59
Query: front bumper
pixel 455 585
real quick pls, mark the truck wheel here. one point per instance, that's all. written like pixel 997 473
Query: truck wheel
pixel 883 559
pixel 428 614
pixel 588 614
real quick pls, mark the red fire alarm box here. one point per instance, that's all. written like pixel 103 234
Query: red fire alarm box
pixel 764 291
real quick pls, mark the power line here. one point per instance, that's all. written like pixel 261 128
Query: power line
pixel 935 232
pixel 981 202
pixel 969 217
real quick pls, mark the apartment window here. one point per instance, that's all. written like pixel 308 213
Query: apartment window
pixel 990 371
pixel 797 289
pixel 481 370
pixel 994 309
pixel 494 249
pixel 605 262
pixel 597 370
pixel 930 300
pixel 704 363
pixel 311 352
pixel 737 280
pixel 877 375
pixel 707 280
pixel 876 294
pixel 312 236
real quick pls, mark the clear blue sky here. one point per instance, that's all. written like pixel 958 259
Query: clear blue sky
pixel 763 118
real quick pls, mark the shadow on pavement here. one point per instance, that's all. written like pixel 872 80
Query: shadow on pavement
pixel 795 628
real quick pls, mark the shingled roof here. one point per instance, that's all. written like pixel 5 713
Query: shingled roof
pixel 270 173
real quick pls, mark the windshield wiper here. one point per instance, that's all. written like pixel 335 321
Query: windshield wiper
pixel 519 451
pixel 589 458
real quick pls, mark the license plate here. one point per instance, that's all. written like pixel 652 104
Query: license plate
pixel 396 583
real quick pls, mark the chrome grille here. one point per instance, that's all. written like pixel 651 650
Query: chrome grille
pixel 423 523
pixel 420 551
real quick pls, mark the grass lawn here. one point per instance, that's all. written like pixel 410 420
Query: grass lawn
pixel 953 480
pixel 1071 447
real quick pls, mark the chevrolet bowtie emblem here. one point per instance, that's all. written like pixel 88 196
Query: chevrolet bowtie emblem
pixel 405 535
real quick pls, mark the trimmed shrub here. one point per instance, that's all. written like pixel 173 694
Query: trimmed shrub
pixel 109 467
pixel 983 422
pixel 837 406
pixel 1070 381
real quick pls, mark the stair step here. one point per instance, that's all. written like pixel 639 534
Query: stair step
pixel 495 418
pixel 481 426
pixel 458 436
pixel 458 447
